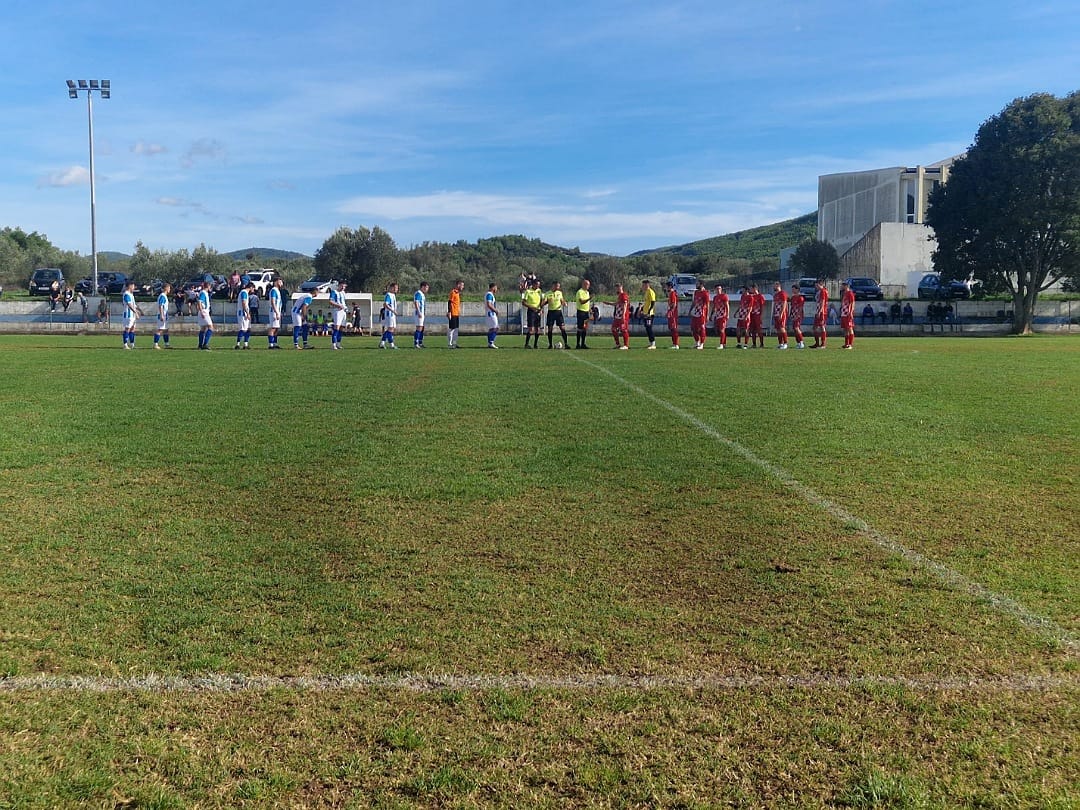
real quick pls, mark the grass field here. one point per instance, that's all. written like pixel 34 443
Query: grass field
pixel 540 579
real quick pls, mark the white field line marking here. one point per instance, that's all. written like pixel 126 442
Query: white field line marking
pixel 415 682
pixel 954 579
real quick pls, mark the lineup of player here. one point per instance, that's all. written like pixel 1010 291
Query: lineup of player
pixel 788 311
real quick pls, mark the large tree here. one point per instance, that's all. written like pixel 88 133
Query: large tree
pixel 1009 213
pixel 815 258
pixel 360 257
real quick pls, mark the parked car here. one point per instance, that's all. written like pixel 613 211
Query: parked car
pixel 684 285
pixel 865 289
pixel 41 280
pixel 931 286
pixel 317 284
pixel 219 285
pixel 808 286
pixel 263 280
pixel 109 283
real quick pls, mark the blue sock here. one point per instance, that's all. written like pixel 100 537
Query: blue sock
pixel 306 330
pixel 164 337
pixel 209 334
pixel 157 338
pixel 296 335
pixel 492 334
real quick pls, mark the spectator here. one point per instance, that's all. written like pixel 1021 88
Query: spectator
pixel 54 295
pixel 69 296
pixel 102 311
pixel 84 305
pixel 253 306
pixel 908 314
pixel 895 312
pixel 883 315
pixel 868 312
pixel 833 317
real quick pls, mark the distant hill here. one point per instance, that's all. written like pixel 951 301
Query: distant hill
pixel 266 253
pixel 764 242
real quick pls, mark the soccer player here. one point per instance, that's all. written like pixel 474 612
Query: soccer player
pixel 620 319
pixel 419 313
pixel 491 315
pixel 672 314
pixel 721 310
pixel 275 315
pixel 131 314
pixel 453 314
pixel 648 311
pixel 757 314
pixel 699 314
pixel 243 316
pixel 583 305
pixel 339 311
pixel 206 323
pixel 821 315
pixel 742 320
pixel 554 301
pixel 780 315
pixel 847 313
pixel 161 334
pixel 796 311
pixel 532 302
pixel 390 314
pixel 301 314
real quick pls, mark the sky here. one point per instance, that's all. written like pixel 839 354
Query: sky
pixel 609 125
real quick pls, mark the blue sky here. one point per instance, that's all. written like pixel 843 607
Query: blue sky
pixel 612 126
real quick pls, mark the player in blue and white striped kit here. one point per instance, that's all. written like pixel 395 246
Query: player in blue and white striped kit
pixel 339 311
pixel 420 313
pixel 300 325
pixel 491 315
pixel 162 332
pixel 243 316
pixel 206 323
pixel 389 317
pixel 131 315
pixel 275 315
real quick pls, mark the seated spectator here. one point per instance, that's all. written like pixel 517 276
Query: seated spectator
pixel 102 311
pixel 868 312
pixel 894 312
pixel 883 315
pixel 909 314
pixel 69 296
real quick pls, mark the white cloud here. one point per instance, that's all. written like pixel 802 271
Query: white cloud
pixel 72 176
pixel 203 149
pixel 149 149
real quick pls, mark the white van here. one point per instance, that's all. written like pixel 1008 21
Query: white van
pixel 684 285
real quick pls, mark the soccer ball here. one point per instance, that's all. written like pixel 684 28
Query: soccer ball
pixel 558 345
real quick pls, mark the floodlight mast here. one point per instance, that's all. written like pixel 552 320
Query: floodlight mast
pixel 104 89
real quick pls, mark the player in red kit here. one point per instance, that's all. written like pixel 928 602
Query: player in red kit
pixel 699 314
pixel 821 315
pixel 742 320
pixel 847 313
pixel 673 314
pixel 757 312
pixel 780 315
pixel 796 306
pixel 721 309
pixel 620 320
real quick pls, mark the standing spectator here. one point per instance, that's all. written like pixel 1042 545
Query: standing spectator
pixel 583 305
pixel 721 309
pixel 84 305
pixel 390 313
pixel 672 314
pixel 780 315
pixel 453 314
pixel 357 320
pixel 420 314
pixel 648 311
pixel 275 315
pixel 206 323
pixel 555 302
pixel 161 334
pixel 491 315
pixel 796 311
pixel 131 314
pixel 833 317
pixel 178 300
pixel 339 310
pixel 847 313
pixel 234 285
pixel 821 315
pixel 253 303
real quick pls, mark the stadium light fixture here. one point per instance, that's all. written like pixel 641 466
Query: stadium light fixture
pixel 103 89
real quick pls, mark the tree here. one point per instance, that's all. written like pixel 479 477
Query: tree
pixel 359 256
pixel 1009 213
pixel 815 258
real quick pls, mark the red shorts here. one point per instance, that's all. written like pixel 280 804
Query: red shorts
pixel 720 326
pixel 619 327
pixel 672 323
pixel 779 324
pixel 796 325
pixel 697 324
pixel 847 322
pixel 755 323
pixel 819 322
pixel 742 323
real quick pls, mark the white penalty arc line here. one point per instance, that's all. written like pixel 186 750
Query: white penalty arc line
pixel 1043 625
pixel 426 683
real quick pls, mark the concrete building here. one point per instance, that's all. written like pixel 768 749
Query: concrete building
pixel 876 221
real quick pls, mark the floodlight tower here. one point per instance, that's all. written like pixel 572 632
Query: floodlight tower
pixel 104 89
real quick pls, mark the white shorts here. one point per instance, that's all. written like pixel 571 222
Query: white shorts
pixel 339 318
pixel 204 320
pixel 492 320
pixel 297 318
pixel 390 322
pixel 419 321
pixel 162 324
pixel 129 320
pixel 243 322
pixel 275 320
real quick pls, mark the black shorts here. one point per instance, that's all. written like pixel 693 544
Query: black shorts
pixel 582 320
pixel 555 317
pixel 454 321
pixel 532 318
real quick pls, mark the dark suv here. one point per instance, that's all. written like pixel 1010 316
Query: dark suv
pixel 41 280
pixel 931 286
pixel 865 289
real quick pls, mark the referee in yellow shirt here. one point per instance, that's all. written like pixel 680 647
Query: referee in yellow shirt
pixel 555 301
pixel 583 303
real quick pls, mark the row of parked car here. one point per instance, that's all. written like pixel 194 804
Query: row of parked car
pixel 113 283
